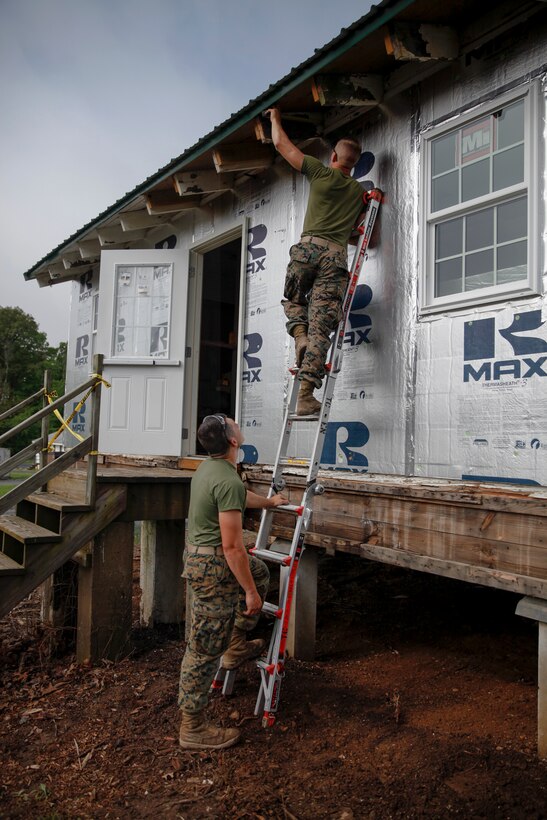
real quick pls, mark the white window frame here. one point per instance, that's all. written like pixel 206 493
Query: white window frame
pixel 532 285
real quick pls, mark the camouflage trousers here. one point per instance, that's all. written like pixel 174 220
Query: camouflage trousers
pixel 218 604
pixel 315 285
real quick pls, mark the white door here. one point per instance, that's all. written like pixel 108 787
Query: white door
pixel 141 332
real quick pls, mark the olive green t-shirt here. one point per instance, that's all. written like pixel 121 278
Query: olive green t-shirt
pixel 334 204
pixel 216 487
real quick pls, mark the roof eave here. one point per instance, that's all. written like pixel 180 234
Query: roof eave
pixel 377 17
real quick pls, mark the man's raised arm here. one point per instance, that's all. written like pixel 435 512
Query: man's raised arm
pixel 286 148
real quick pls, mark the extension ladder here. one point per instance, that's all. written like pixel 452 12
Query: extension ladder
pixel 272 667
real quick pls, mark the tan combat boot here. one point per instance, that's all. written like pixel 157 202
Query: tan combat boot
pixel 306 405
pixel 300 343
pixel 196 733
pixel 240 649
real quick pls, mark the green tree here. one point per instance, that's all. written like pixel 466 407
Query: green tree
pixel 24 355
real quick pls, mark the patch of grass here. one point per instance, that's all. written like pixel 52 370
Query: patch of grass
pixel 6 488
pixel 20 475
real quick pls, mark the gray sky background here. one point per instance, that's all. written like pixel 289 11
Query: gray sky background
pixel 96 95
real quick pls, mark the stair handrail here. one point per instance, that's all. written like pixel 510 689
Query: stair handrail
pixel 22 404
pixel 88 446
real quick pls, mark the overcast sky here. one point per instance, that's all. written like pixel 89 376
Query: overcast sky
pixel 95 95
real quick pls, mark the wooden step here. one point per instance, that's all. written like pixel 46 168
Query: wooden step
pixel 26 532
pixel 9 567
pixel 58 502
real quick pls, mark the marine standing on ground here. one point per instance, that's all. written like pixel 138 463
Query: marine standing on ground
pixel 317 275
pixel 228 585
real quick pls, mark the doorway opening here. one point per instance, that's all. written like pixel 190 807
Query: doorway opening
pixel 219 332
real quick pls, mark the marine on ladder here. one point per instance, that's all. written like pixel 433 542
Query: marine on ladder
pixel 317 274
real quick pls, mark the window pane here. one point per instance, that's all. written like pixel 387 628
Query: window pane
pixel 476 179
pixel 479 270
pixel 508 167
pixel 476 140
pixel 443 154
pixel 448 277
pixel 512 262
pixel 512 220
pixel 479 230
pixel 123 340
pixel 445 191
pixel 448 238
pixel 142 311
pixel 510 125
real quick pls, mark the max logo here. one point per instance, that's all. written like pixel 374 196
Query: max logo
pixel 480 341
pixel 359 322
pixel 120 338
pixel 253 344
pixel 257 253
pixel 82 350
pixel 86 285
pixel 78 422
pixel 348 437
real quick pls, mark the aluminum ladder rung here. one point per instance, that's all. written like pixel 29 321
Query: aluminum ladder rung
pixel 270 668
pixel 272 609
pixel 294 417
pixel 296 509
pixel 271 555
pixel 224 681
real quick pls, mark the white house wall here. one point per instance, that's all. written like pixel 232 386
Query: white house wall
pixel 402 404
pixel 495 426
pixel 80 349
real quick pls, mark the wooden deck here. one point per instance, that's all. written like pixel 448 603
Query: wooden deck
pixel 490 534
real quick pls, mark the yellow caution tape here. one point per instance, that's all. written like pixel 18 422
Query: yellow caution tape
pixel 65 423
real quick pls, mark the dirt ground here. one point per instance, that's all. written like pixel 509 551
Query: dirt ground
pixel 421 703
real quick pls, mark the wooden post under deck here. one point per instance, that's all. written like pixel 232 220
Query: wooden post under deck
pixel 162 546
pixel 104 596
pixel 537 610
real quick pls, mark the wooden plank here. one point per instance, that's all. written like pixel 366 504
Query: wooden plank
pixel 355 90
pixel 157 502
pixel 20 458
pixel 509 498
pixel 69 484
pixel 167 202
pixel 188 463
pixel 115 235
pixel 77 531
pixel 26 531
pixel 9 567
pixel 58 502
pixel 475 523
pixel 91 485
pixel 45 411
pixel 89 249
pixel 134 220
pixel 243 157
pixel 42 476
pixel 22 404
pixel 453 569
pixel 202 182
pixel 515 558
